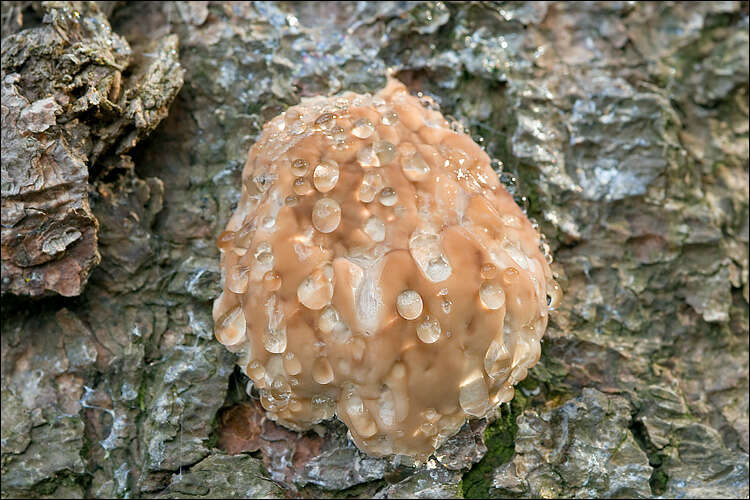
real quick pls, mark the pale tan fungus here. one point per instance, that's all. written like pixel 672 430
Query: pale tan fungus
pixel 376 269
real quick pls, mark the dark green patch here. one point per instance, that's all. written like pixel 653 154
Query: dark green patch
pixel 658 481
pixel 544 385
pixel 48 486
pixel 500 439
pixel 659 478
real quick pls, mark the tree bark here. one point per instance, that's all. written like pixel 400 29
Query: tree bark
pixel 622 128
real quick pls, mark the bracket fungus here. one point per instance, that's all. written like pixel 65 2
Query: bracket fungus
pixel 376 269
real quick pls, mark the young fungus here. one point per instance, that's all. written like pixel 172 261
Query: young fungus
pixel 376 269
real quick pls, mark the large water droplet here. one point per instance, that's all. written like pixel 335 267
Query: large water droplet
pixel 256 372
pixel 315 291
pixel 291 200
pixel 268 222
pixel 232 327
pixel 388 196
pixel 225 240
pixel 299 167
pixel 492 295
pixel 385 151
pixel 473 396
pixel 427 252
pixel 322 371
pixel 328 319
pixel 263 247
pixel 338 134
pixel 367 157
pixel 371 184
pixel 409 304
pixel 438 267
pixel 260 183
pixel 342 334
pixel 326 215
pixel 297 127
pixel 352 403
pixel 265 258
pixel 428 330
pixel 363 128
pixel 375 228
pixel 446 306
pixel 302 186
pixel 415 168
pixel 292 364
pixel 497 360
pixel 354 407
pixel 280 389
pixel 272 281
pixel 274 335
pixel 488 271
pixel 325 121
pixel 237 279
pixel 326 175
pixel 274 340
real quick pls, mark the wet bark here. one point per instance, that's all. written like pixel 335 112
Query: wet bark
pixel 621 127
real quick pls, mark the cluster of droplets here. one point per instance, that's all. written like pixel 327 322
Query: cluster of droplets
pixel 316 290
pixel 315 182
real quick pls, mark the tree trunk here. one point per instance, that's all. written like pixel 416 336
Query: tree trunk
pixel 622 129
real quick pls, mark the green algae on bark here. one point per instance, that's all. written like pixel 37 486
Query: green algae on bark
pixel 499 438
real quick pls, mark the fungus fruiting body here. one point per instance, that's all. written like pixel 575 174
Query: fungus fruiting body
pixel 377 270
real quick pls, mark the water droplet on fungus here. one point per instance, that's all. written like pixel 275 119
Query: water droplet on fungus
pixel 300 167
pixel 326 215
pixel 375 228
pixel 409 304
pixel 322 371
pixel 491 295
pixel 428 330
pixel 415 168
pixel 315 291
pixel 326 176
pixel 388 197
pixel 363 128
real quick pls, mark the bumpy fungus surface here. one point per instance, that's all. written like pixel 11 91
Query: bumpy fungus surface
pixel 376 269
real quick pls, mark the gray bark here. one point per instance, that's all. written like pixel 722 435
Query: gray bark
pixel 622 128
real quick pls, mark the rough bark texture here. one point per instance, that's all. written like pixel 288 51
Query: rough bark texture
pixel 622 127
pixel 73 93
